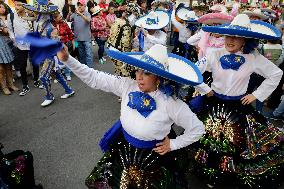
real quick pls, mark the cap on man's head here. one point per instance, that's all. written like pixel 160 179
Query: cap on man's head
pixel 82 2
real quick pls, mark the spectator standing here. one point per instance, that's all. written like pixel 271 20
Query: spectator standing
pixel 66 36
pixel 68 9
pixel 6 55
pixel 91 4
pixel 82 31
pixel 20 25
pixel 100 31
pixel 110 18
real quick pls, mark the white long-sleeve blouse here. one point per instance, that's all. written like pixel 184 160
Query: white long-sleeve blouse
pixel 235 83
pixel 158 124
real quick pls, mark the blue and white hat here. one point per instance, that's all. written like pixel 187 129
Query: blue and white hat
pixel 241 26
pixel 41 6
pixel 185 14
pixel 154 20
pixel 157 61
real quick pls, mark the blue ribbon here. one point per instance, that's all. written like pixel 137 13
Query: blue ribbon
pixel 232 61
pixel 238 27
pixel 150 60
pixel 142 102
pixel 225 97
pixel 141 40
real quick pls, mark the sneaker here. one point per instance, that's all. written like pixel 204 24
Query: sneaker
pixel 104 59
pixel 24 91
pixel 47 102
pixel 68 78
pixel 41 87
pixel 37 84
pixel 67 95
pixel 55 81
pixel 101 61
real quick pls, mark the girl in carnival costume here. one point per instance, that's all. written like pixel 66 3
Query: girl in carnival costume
pixel 240 145
pixel 50 65
pixel 138 153
pixel 186 30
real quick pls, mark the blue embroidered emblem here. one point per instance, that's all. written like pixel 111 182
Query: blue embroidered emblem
pixel 151 21
pixel 232 61
pixel 142 102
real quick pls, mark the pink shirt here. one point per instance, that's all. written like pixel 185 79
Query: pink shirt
pixel 110 18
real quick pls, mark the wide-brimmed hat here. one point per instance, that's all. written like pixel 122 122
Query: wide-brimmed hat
pixel 185 14
pixel 96 10
pixel 154 20
pixel 41 6
pixel 219 8
pixel 241 26
pixel 41 48
pixel 215 18
pixel 257 13
pixel 157 61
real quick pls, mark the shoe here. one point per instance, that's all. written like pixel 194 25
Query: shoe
pixel 47 102
pixel 104 59
pixel 41 87
pixel 14 88
pixel 68 78
pixel 18 74
pixel 24 91
pixel 67 95
pixel 270 115
pixel 6 91
pixel 101 61
pixel 55 81
pixel 37 84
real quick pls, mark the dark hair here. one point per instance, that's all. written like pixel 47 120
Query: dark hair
pixel 6 8
pixel 250 45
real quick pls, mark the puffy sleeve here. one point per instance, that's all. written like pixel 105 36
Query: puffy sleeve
pixel 181 114
pixel 194 39
pixel 203 65
pixel 270 72
pixel 98 79
pixel 161 39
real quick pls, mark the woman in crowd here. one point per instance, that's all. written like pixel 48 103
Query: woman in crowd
pixel 240 146
pixel 110 18
pixel 100 31
pixel 6 55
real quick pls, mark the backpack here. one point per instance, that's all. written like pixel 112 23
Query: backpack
pixel 16 170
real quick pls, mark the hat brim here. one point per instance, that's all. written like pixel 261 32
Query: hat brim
pixel 41 48
pixel 164 19
pixel 182 12
pixel 215 18
pixel 272 33
pixel 181 70
pixel 261 16
pixel 51 9
pixel 97 11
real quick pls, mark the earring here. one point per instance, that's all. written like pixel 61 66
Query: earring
pixel 158 84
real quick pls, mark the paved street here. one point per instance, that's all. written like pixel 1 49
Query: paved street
pixel 64 136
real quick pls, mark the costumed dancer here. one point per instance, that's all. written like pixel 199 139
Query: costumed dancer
pixel 240 145
pixel 150 31
pixel 138 153
pixel 186 30
pixel 44 28
pixel 121 38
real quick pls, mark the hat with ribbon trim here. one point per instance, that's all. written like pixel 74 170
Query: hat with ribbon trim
pixel 256 13
pixel 157 61
pixel 41 6
pixel 215 18
pixel 185 14
pixel 96 10
pixel 241 26
pixel 154 20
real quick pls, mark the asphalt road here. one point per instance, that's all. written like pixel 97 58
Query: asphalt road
pixel 64 136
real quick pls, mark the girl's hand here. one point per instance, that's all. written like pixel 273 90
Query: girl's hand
pixel 63 55
pixel 163 147
pixel 248 99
